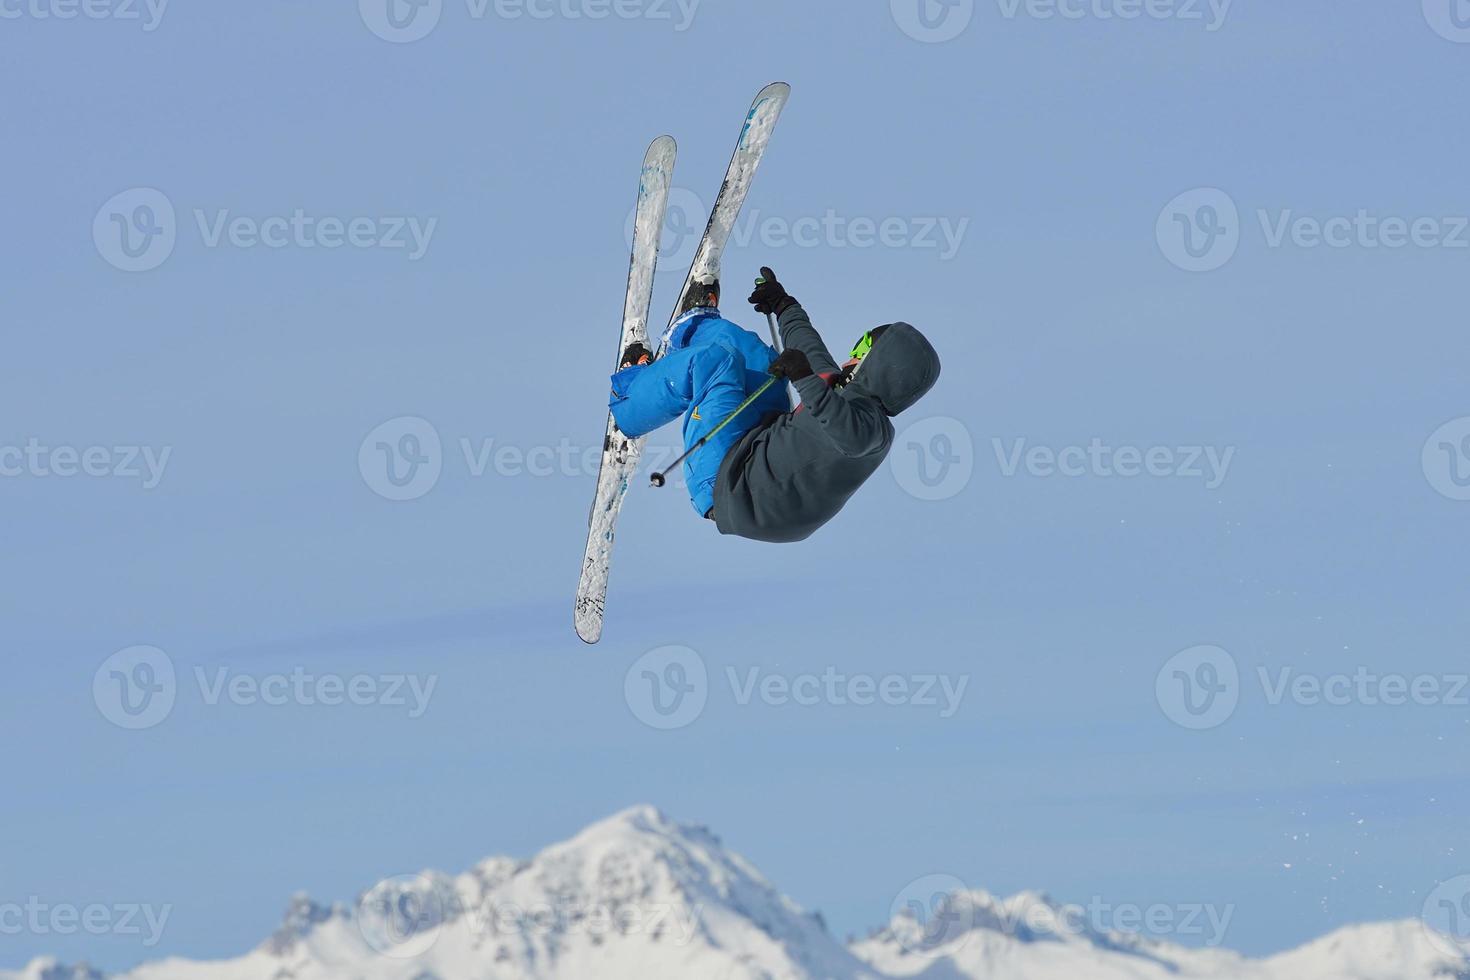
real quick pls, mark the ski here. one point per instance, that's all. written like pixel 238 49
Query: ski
pixel 755 136
pixel 619 453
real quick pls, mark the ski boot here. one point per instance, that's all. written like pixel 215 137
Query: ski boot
pixel 636 355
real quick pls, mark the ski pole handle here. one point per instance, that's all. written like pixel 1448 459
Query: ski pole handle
pixel 659 479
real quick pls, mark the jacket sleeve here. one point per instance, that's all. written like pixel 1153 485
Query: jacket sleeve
pixel 855 426
pixel 797 331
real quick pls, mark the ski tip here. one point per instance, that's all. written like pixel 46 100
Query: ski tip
pixel 661 152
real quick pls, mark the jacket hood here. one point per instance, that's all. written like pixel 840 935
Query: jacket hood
pixel 900 369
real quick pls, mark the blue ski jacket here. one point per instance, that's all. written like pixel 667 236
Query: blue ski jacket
pixel 708 368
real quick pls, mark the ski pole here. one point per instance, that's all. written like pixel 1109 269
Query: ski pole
pixel 776 343
pixel 658 479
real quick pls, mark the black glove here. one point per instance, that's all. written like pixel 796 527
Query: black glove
pixel 770 296
pixel 792 365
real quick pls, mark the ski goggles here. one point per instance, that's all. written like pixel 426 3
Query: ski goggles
pixel 862 348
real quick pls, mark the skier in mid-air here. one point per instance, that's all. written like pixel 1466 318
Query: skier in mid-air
pixel 769 473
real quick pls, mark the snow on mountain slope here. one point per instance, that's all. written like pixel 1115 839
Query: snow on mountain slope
pixel 1380 949
pixel 637 897
pixel 973 935
pixel 1027 937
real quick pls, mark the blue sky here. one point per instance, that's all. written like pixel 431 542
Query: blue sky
pixel 1060 151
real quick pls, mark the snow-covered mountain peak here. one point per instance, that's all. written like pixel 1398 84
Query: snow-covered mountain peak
pixel 641 819
pixel 47 968
pixel 302 916
pixel 640 897
pixel 642 828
